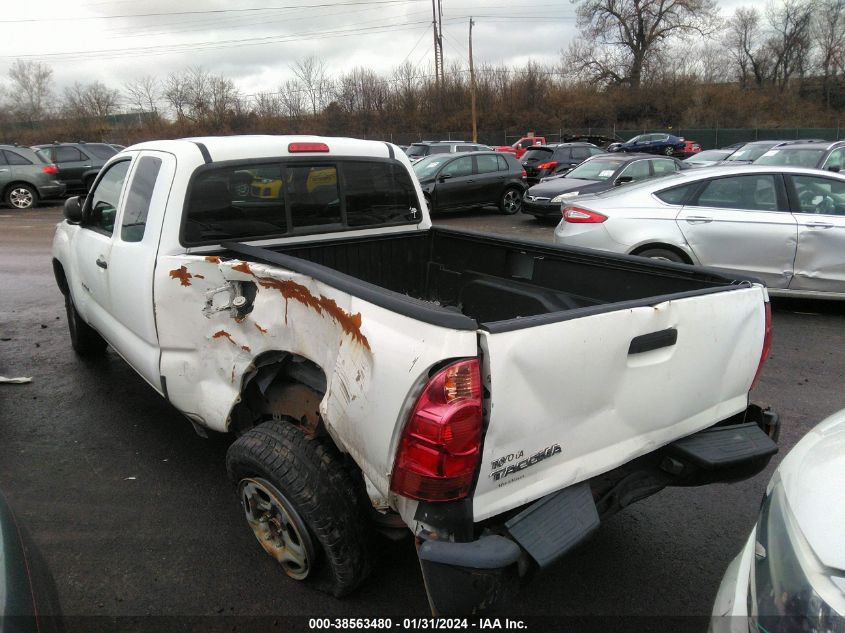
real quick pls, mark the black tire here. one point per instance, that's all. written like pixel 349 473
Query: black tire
pixel 302 482
pixel 664 254
pixel 511 201
pixel 669 150
pixel 83 338
pixel 21 196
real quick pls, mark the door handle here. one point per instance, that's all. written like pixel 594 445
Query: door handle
pixel 698 219
pixel 4 170
pixel 102 263
pixel 86 166
pixel 820 225
pixel 469 181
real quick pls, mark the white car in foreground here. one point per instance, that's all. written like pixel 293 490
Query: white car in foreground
pixel 791 574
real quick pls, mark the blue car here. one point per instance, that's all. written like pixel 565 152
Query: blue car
pixel 657 143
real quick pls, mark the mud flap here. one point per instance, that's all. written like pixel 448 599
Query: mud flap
pixel 555 524
pixel 465 578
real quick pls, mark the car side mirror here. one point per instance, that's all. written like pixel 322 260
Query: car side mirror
pixel 444 177
pixel 73 210
pixel 834 168
pixel 623 180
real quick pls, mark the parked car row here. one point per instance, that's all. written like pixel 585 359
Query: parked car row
pixel 31 174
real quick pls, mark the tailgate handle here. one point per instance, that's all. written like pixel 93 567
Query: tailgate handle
pixel 655 340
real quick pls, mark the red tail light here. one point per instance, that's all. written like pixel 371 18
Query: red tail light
pixel 294 148
pixel 767 344
pixel 524 173
pixel 441 442
pixel 550 165
pixel 50 169
pixel 577 215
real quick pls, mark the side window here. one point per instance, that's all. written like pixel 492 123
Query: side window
pixel 138 199
pixel 103 200
pixel 3 158
pixel 503 164
pixel 13 158
pixel 676 195
pixel 663 167
pixel 487 163
pixel 820 195
pixel 465 148
pixel 595 151
pixel 68 155
pixel 749 193
pixel 313 195
pixel 378 193
pixel 638 170
pixel 101 150
pixel 459 167
pixel 835 159
pixel 438 149
pixel 580 153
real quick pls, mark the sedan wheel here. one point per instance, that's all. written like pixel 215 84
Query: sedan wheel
pixel 21 197
pixel 669 150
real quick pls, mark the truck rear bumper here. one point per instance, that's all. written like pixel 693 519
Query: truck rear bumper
pixel 462 578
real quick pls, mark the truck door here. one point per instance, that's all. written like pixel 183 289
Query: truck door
pixel 92 247
pixel 132 263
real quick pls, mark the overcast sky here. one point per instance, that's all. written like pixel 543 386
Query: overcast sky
pixel 253 42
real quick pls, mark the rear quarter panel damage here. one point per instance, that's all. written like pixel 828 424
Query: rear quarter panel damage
pixel 373 359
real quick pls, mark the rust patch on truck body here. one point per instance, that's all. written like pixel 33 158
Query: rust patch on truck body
pixel 260 329
pixel 224 334
pixel 350 323
pixel 182 275
pixel 212 259
pixel 243 267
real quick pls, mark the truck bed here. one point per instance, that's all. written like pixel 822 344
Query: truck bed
pixel 492 282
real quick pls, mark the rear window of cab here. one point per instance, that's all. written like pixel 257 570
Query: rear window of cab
pixel 262 200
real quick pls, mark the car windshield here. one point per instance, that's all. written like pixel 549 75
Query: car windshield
pixel 791 156
pixel 427 167
pixel 417 150
pixel 601 169
pixel 750 151
pixel 538 153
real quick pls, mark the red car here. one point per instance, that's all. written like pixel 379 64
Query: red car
pixel 522 145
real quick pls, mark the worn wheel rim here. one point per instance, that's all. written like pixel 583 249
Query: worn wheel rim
pixel 277 526
pixel 21 198
pixel 512 201
pixel 669 151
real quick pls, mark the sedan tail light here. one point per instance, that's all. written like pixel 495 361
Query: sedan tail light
pixel 577 215
pixel 50 169
pixel 441 443
pixel 550 165
pixel 524 174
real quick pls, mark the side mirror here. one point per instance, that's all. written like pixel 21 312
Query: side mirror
pixel 834 168
pixel 444 177
pixel 73 210
pixel 623 180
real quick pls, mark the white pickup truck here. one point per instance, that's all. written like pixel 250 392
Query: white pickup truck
pixel 495 397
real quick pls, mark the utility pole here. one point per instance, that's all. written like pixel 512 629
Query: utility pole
pixel 437 27
pixel 472 86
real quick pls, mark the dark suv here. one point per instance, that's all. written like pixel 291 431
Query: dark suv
pixel 422 149
pixel 26 178
pixel 547 160
pixel 464 181
pixel 78 163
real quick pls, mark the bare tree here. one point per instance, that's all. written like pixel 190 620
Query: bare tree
pixel 828 36
pixel 745 43
pixel 31 89
pixel 311 75
pixel 177 94
pixel 143 94
pixel 625 35
pixel 789 45
pixel 292 96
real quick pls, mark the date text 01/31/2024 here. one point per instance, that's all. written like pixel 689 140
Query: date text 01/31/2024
pixel 416 624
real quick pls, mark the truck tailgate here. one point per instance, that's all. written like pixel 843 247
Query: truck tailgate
pixel 576 398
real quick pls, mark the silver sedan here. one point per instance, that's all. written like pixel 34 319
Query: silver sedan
pixel 784 225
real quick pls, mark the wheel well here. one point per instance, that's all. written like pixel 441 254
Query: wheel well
pixel 61 278
pixel 668 247
pixel 11 185
pixel 281 386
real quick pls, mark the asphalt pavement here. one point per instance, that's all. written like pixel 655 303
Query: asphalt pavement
pixel 135 516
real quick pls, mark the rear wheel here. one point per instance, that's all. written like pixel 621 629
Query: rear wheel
pixel 83 338
pixel 303 507
pixel 511 201
pixel 668 150
pixel 21 196
pixel 663 254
